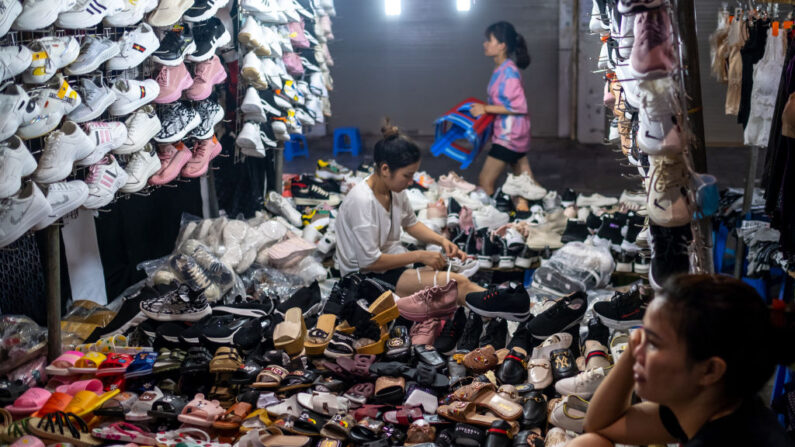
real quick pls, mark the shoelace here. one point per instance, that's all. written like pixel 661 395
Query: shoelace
pixel 670 175
pixel 320 191
pixel 162 77
pixel 93 174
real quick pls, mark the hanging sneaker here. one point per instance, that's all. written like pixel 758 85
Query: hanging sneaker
pixel 142 165
pixel 52 54
pixel 38 14
pixel 653 53
pixel 106 135
pixel 169 12
pixel 16 108
pixel 252 35
pixel 11 9
pixel 668 203
pixel 249 140
pixel 88 13
pixel 132 94
pixel 96 99
pixel 210 35
pixel 629 7
pixel 63 197
pixel 142 126
pixel 172 80
pixel 131 14
pixel 172 159
pixel 62 149
pixel 203 152
pixel 44 113
pixel 524 186
pixel 669 253
pixel 178 120
pixel 204 10
pixel 174 46
pixel 104 180
pixel 19 213
pixel 93 53
pixel 135 47
pixel 254 107
pixel 210 114
pixel 252 70
pixel 16 162
pixel 14 60
pixel 207 74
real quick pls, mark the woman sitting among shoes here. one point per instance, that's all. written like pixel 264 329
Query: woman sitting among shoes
pixel 706 348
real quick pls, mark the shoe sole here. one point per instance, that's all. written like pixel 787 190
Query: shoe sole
pixel 309 202
pixel 508 316
pixel 328 175
pixel 190 49
pixel 619 325
pixel 178 317
pixel 624 267
pixel 223 40
pixel 335 355
pixel 641 268
pixel 424 316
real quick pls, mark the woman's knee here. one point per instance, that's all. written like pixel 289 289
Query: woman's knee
pixel 590 440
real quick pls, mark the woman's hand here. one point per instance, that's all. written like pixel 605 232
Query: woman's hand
pixel 432 259
pixel 452 250
pixel 477 109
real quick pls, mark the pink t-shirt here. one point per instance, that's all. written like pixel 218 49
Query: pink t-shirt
pixel 505 88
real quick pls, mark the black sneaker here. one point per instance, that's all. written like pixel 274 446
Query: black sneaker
pixel 507 258
pixel 522 338
pixel 329 185
pixel 575 231
pixel 610 232
pixel 526 258
pixel 309 194
pixel 253 333
pixel 174 46
pixel 623 311
pixel 453 213
pixel 186 268
pixel 192 335
pixel 451 332
pixel 496 333
pixel 307 298
pixel 178 120
pixel 274 103
pixel 210 35
pixel 624 261
pixel 668 253
pixel 564 314
pixel 470 339
pixel 203 10
pixel 598 331
pixel 252 309
pixel 210 114
pixel 502 201
pixel 167 334
pixel 223 333
pixel 511 303
pixel 593 223
pixel 568 198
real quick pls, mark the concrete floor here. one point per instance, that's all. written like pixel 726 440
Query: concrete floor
pixel 556 163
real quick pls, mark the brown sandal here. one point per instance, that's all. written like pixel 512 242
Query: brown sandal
pixel 484 394
pixel 467 412
pixel 233 417
pixel 226 359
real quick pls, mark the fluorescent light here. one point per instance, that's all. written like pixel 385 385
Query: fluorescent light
pixel 392 7
pixel 463 5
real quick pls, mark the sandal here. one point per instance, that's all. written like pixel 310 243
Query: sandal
pixel 84 402
pixel 270 377
pixel 358 366
pixel 257 420
pixel 88 364
pixel 399 343
pixel 308 424
pixel 389 390
pixel 289 334
pixel 233 417
pixel 372 347
pixel 168 360
pixel 247 373
pixel 288 407
pixel 30 401
pixel 93 385
pixel 359 393
pixel 142 365
pixel 168 407
pixel 196 361
pixel 63 428
pixel 324 403
pixel 118 406
pixel 338 427
pixel 61 365
pixel 114 364
pixel 222 394
pixel 188 436
pixel 274 437
pixel 484 394
pixel 140 409
pixel 201 412
pixel 122 431
pixel 13 430
pixel 298 380
pixel 467 412
pixel 56 402
pixel 226 359
pixel 318 338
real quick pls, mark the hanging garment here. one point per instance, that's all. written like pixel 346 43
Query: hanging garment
pixel 738 34
pixel 751 53
pixel 718 47
pixel 767 76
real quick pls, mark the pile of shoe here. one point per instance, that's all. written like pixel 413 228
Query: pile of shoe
pixel 285 68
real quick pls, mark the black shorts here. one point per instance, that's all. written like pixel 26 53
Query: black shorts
pixel 504 154
pixel 389 276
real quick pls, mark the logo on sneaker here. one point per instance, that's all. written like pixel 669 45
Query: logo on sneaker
pixel 561 362
pixel 61 202
pixel 631 313
pixel 139 48
pixel 95 7
pixel 143 91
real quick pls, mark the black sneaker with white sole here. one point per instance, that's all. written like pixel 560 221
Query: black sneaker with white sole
pixel 223 334
pixel 203 10
pixel 623 311
pixel 309 194
pixel 526 257
pixel 642 262
pixel 511 303
pixel 210 35
pixel 174 46
pixel 453 213
pixel 568 198
pixel 576 230
pixel 564 314
pixel 274 103
pixel 177 119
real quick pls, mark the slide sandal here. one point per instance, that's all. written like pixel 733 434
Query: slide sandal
pixel 318 338
pixel 30 401
pixel 484 394
pixel 118 406
pixel 142 365
pixel 467 412
pixel 56 402
pixel 88 364
pixel 270 377
pixel 273 437
pixel 84 402
pixel 114 364
pixel 93 385
pixel 61 365
pixel 140 409
pixel 201 412
pixel 289 334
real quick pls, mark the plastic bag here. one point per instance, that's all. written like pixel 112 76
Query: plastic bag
pixel 270 282
pixel 20 339
pixel 589 265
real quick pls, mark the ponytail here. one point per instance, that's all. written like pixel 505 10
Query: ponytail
pixel 515 45
pixel 520 55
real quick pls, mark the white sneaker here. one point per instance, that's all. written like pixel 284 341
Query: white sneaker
pixel 88 13
pixel 523 185
pixel 63 197
pixel 288 8
pixel 62 149
pixel 169 12
pixel 16 162
pixel 513 238
pixel 142 126
pixel 659 136
pixel 132 95
pixel 104 179
pixel 489 217
pixel 252 71
pixel 38 14
pixel 466 268
pixel 273 41
pixel 273 73
pixel 107 135
pixel 21 212
pixel 11 9
pixel 16 108
pixel 143 164
pixel 327 243
pixel 251 35
pixel 668 204
pixel 595 200
pixel 135 46
pixel 132 13
pixel 417 199
pixel 253 106
pixel 304 118
pixel 249 140
pixel 55 52
pixel 93 53
pixel 50 104
pixel 96 99
pixel 277 204
pixel 14 60
pixel 551 201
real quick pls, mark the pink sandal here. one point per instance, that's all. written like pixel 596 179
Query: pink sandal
pixel 122 431
pixel 61 365
pixel 201 412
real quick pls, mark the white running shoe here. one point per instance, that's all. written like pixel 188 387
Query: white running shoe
pixel 489 217
pixel 14 60
pixel 38 14
pixel 93 53
pixel 107 135
pixel 132 13
pixel 251 34
pixel 62 149
pixel 278 204
pixel 88 13
pixel 668 204
pixel 104 180
pixel 523 185
pixel 252 70
pixel 63 197
pixel 169 12
pixel 135 46
pixel 50 104
pixel 96 99
pixel 21 212
pixel 53 53
pixel 143 164
pixel 142 126
pixel 595 200
pixel 11 9
pixel 253 106
pixel 16 108
pixel 132 95
pixel 16 162
pixel 249 140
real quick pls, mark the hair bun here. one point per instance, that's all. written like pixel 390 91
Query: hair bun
pixel 388 130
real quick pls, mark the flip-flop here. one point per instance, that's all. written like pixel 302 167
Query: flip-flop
pixel 63 427
pixel 61 365
pixel 88 364
pixel 57 402
pixel 122 431
pixel 93 385
pixel 30 401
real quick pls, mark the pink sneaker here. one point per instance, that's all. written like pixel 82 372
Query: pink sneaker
pixel 466 222
pixel 432 302
pixel 454 181
pixel 425 333
pixel 208 73
pixel 203 152
pixel 172 160
pixel 172 81
pixel 652 52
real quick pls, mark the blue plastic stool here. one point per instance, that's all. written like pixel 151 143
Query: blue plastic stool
pixel 347 139
pixel 296 147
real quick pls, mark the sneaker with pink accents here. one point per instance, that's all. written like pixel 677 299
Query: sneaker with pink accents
pixel 172 81
pixel 454 181
pixel 203 152
pixel 107 135
pixel 172 159
pixel 208 74
pixel 432 302
pixel 104 180
pixel 425 333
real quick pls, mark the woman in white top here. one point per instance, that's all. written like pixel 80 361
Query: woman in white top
pixel 374 212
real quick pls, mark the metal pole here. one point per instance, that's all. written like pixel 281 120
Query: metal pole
pixel 212 197
pixel 278 167
pixel 575 70
pixel 750 182
pixel 53 260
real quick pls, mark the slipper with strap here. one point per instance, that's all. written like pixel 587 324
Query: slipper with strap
pixel 233 417
pixel 118 406
pixel 201 412
pixel 168 407
pixel 270 377
pixel 63 427
pixel 88 364
pixel 61 365
pixel 226 360
pixel 319 337
pixel 140 409
pixel 256 420
pixel 122 431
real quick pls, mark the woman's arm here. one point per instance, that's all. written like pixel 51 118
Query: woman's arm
pixel 479 109
pixel 392 261
pixel 425 234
